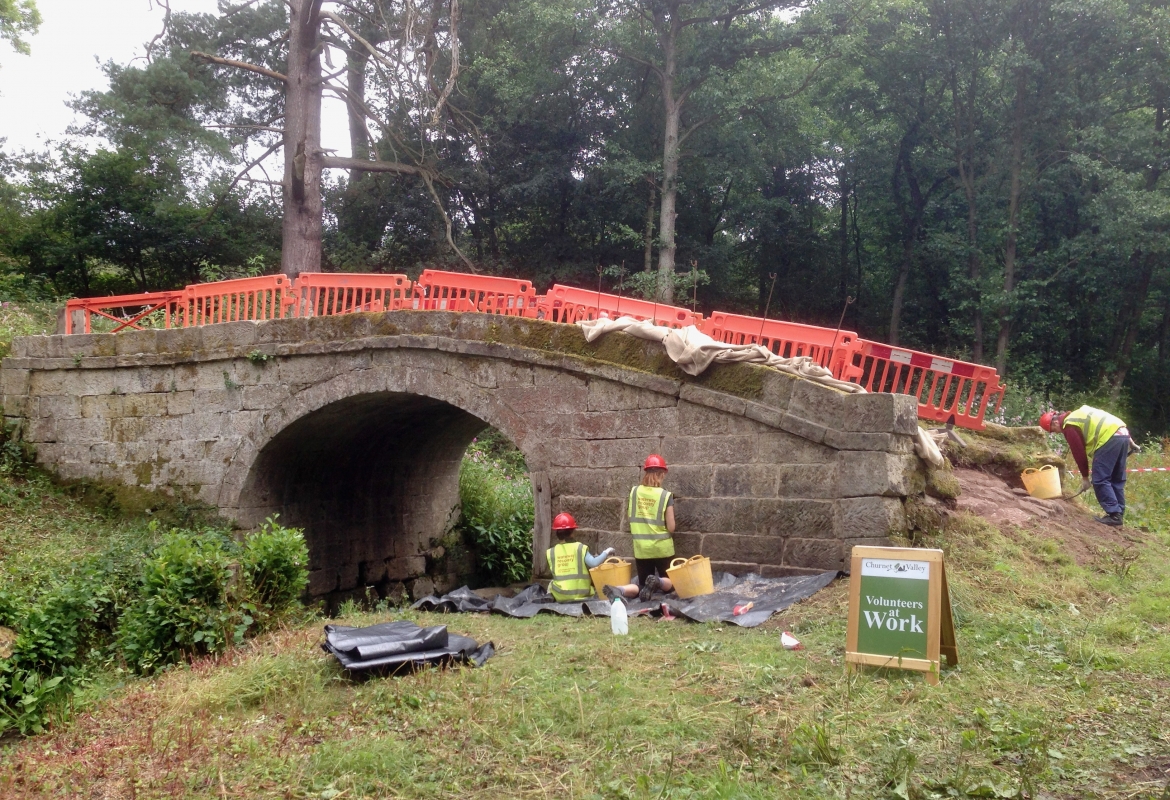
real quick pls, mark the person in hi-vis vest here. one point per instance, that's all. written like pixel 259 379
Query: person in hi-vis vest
pixel 1093 433
pixel 650 512
pixel 570 563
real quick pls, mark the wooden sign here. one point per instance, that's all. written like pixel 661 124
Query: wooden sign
pixel 900 610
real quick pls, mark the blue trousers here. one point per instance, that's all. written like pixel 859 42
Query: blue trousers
pixel 1109 474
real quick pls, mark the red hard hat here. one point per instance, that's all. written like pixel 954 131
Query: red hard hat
pixel 1046 420
pixel 655 462
pixel 564 522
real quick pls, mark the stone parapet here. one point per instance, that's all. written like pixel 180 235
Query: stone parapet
pixel 354 427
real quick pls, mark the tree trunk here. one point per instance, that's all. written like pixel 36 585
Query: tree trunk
pixel 301 235
pixel 900 287
pixel 648 234
pixel 843 191
pixel 965 161
pixel 1136 309
pixel 1009 249
pixel 672 107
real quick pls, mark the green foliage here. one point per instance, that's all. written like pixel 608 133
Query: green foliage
pixel 275 560
pixel 202 592
pixel 497 508
pixel 18 17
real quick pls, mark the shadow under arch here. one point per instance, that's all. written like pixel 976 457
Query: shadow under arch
pixel 373 479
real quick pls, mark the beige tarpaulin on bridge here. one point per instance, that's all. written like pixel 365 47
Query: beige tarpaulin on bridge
pixel 694 351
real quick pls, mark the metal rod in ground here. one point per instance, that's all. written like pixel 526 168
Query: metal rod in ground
pixel 768 305
pixel 836 333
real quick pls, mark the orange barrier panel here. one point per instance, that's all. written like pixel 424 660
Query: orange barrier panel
pixel 265 297
pixel 943 386
pixel 142 305
pixel 436 290
pixel 570 304
pixel 835 350
pixel 320 294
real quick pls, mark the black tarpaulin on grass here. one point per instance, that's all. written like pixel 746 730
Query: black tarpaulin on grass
pixel 769 595
pixel 393 644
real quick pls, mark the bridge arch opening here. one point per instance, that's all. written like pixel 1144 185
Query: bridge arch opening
pixel 374 480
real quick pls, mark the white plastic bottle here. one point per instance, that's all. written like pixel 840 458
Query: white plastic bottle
pixel 619 622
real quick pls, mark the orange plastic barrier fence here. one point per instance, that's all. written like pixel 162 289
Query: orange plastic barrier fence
pixel 265 297
pixel 943 386
pixel 835 350
pixel 570 304
pixel 135 308
pixel 436 290
pixel 320 294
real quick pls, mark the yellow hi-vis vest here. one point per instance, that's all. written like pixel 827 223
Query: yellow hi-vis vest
pixel 646 512
pixel 570 578
pixel 1096 426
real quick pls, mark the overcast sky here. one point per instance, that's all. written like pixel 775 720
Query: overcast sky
pixel 75 39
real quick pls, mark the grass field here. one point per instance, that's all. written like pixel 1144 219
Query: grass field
pixel 1062 692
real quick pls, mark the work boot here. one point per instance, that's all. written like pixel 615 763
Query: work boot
pixel 1114 519
pixel 649 589
pixel 613 593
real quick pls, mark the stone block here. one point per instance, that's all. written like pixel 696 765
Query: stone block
pixel 15 405
pixel 847 440
pixel 136 342
pixel 813 481
pixel 620 452
pixel 30 347
pixel 59 406
pixel 819 554
pixel 600 513
pixel 869 517
pixel 606 395
pixel 102 405
pixel 145 405
pixel 404 568
pixel 421 587
pixel 217 400
pixel 778 388
pixel 861 473
pixel 686 544
pixel 546 399
pixel 263 397
pixel 764 414
pixel 179 403
pixel 686 481
pixel 809 519
pixel 588 482
pixel 798 426
pixel 322 581
pixel 733 547
pixel 742 480
pixel 720 401
pixel 818 404
pixel 14 381
pixel 702 421
pixel 227 337
pixel 706 449
pixel 881 412
pixel 771 571
pixel 623 424
pixel 779 447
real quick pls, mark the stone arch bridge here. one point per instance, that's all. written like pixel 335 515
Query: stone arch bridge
pixel 354 427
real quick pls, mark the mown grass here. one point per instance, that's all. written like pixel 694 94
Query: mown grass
pixel 1062 692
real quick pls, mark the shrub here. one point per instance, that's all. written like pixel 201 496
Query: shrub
pixel 275 562
pixel 498 510
pixel 183 607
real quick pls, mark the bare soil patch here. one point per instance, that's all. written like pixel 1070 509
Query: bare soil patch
pixel 991 497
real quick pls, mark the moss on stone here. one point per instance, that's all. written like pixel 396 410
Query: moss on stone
pixel 741 380
pixel 941 482
pixel 1004 451
pixel 129 502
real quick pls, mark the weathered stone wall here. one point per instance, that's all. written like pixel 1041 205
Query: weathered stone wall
pixel 354 428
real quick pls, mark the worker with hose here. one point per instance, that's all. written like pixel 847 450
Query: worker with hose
pixel 1093 433
pixel 570 563
pixel 650 511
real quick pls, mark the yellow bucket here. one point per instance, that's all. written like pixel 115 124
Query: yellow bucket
pixel 1043 483
pixel 611 572
pixel 691 577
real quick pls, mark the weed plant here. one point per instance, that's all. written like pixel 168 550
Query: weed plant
pixel 497 508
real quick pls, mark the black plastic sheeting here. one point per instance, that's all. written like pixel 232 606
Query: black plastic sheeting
pixel 396 644
pixel 769 595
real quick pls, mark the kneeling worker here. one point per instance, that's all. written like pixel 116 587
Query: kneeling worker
pixel 650 512
pixel 1094 433
pixel 570 563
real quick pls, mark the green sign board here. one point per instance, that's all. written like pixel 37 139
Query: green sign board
pixel 899 610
